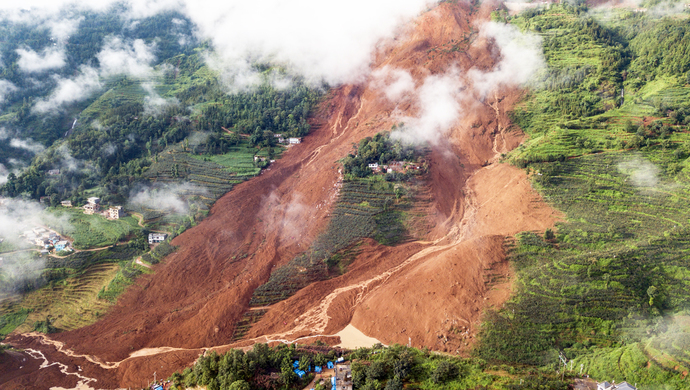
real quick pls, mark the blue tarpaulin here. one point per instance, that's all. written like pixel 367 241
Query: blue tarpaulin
pixel 333 381
pixel 329 364
pixel 317 369
pixel 295 364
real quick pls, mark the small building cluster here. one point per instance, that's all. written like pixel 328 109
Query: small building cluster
pixel 160 385
pixel 343 376
pixel 155 238
pixel 93 206
pixel 342 380
pixel 289 141
pixel 393 166
pixel 46 239
pixel 605 385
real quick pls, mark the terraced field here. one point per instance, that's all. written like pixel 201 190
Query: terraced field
pixel 248 319
pixel 72 302
pixel 602 285
pixel 200 180
pixel 365 208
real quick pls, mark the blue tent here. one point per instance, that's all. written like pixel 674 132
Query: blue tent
pixel 317 369
pixel 157 387
pixel 333 381
pixel 300 373
pixel 329 364
pixel 295 364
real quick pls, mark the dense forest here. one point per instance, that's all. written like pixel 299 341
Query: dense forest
pixel 379 367
pixel 108 140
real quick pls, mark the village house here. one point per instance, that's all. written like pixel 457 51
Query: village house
pixel 605 385
pixel 294 141
pixel 375 167
pixel 93 205
pixel 66 203
pixel 61 246
pixel 116 212
pixel 44 199
pixel 54 172
pixel 343 376
pixel 30 236
pixel 155 238
pixel 394 166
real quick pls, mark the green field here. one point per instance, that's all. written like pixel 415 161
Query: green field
pixel 94 231
pixel 239 160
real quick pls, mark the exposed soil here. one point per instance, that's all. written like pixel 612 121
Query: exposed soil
pixel 426 293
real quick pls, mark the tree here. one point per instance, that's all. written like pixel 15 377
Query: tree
pixel 287 376
pixel 239 385
pixel 444 372
pixel 652 293
pixel 394 384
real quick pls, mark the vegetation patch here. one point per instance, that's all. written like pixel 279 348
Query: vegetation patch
pixel 366 208
pixel 93 231
pixel 379 367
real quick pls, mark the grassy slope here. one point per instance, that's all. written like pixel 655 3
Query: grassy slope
pixel 93 231
pixel 587 293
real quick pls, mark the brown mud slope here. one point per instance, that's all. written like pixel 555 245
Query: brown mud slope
pixel 427 293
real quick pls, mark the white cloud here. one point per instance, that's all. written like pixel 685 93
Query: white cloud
pixel 169 198
pixel 641 172
pixel 17 216
pixel 118 57
pixel 441 98
pixel 6 87
pixel 439 101
pixel 153 102
pixel 520 58
pixel 394 83
pixel 146 8
pixel 32 62
pixel 70 90
pixel 67 162
pixel 3 174
pixel 321 40
pixel 61 29
pixel 26 144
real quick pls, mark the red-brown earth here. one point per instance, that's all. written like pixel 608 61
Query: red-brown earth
pixel 429 292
